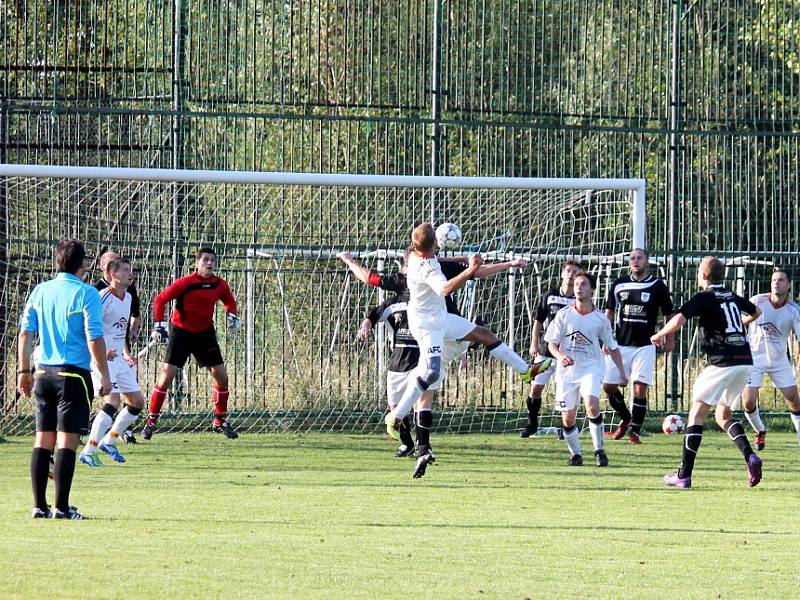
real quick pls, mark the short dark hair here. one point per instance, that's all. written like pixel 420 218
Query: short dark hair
pixel 69 256
pixel 782 270
pixel 113 266
pixel 205 250
pixel 591 278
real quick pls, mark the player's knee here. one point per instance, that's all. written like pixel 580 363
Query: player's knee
pixel 483 335
pixel 430 374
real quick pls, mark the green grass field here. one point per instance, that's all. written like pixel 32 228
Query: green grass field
pixel 329 516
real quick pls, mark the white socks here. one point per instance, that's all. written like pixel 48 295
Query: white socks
pixel 505 354
pixel 573 439
pixel 124 420
pixel 596 429
pixel 102 422
pixel 754 418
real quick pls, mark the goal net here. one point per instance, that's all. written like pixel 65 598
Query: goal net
pixel 296 364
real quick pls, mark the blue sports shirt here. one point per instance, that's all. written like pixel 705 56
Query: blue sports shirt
pixel 65 312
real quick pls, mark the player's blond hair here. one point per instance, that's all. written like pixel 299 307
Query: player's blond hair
pixel 423 238
pixel 712 269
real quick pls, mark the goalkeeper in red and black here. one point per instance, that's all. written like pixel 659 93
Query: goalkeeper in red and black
pixel 191 332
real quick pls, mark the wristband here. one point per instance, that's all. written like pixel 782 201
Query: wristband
pixel 25 372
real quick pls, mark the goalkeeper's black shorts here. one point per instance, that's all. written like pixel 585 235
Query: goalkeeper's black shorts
pixel 202 345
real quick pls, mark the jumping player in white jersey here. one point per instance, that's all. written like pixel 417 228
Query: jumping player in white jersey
pixel 574 338
pixel 769 336
pixel 432 327
pixel 108 425
pixel 730 362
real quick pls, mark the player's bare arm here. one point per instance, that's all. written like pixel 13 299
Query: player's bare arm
pixel 616 356
pixel 673 325
pixel 747 319
pixel 536 338
pixel 361 272
pixel 97 348
pixel 495 268
pixel 565 360
pixel 24 375
pixel 364 329
pixel 457 282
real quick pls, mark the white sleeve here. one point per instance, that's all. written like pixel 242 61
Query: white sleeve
pixel 555 333
pixel 606 335
pixel 435 279
pixel 797 325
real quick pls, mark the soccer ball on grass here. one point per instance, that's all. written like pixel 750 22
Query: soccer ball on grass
pixel 672 424
pixel 448 236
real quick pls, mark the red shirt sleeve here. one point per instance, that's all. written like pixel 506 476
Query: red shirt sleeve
pixel 170 292
pixel 374 279
pixel 226 296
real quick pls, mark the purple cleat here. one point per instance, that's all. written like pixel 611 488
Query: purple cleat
pixel 754 469
pixel 673 480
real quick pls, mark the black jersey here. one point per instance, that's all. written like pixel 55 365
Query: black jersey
pixel 405 350
pixel 723 337
pixel 636 305
pixel 396 282
pixel 552 302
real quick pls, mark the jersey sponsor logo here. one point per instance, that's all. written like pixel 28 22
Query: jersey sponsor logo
pixel 736 339
pixel 623 296
pixel 578 339
pixel 633 309
pixel 121 324
pixel 435 350
pixel 770 329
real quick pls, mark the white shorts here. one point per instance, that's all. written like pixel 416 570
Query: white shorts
pixel 432 340
pixel 720 385
pixel 782 374
pixel 569 393
pixel 123 377
pixel 639 363
pixel 395 386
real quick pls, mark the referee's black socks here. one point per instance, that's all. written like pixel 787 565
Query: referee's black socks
pixel 62 473
pixel 617 402
pixel 40 471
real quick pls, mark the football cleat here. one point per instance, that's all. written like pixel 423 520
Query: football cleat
pixel 673 480
pixel 148 430
pixel 600 458
pixel 112 451
pixel 576 460
pixel 761 440
pixel 71 514
pixel 90 460
pixel 621 430
pixel 635 439
pixel 225 428
pixel 393 426
pixel 404 451
pixel 529 431
pixel 535 369
pixel 754 464
pixel 426 457
pixel 38 513
pixel 128 437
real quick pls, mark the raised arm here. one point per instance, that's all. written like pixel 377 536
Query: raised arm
pixel 673 325
pixel 361 272
pixel 494 268
pixel 457 282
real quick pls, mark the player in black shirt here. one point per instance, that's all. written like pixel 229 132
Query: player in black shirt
pixel 633 306
pixel 549 304
pixel 724 340
pixel 134 325
pixel 402 360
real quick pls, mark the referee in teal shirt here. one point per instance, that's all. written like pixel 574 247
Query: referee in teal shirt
pixel 67 316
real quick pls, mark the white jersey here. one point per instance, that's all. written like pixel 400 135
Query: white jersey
pixel 769 334
pixel 425 280
pixel 116 314
pixel 578 335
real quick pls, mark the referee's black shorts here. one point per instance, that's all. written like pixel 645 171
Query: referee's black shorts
pixel 202 345
pixel 63 398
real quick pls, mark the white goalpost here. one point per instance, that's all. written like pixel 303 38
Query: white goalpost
pixel 297 365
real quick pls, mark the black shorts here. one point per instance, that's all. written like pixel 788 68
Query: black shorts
pixel 63 398
pixel 202 345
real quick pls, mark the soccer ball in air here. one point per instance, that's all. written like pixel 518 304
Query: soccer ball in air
pixel 448 236
pixel 672 424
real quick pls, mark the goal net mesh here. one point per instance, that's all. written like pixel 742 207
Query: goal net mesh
pixel 296 364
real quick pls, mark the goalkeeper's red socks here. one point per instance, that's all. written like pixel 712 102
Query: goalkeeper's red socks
pixel 157 398
pixel 219 397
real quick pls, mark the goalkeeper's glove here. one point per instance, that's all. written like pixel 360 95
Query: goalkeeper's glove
pixel 159 334
pixel 234 322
